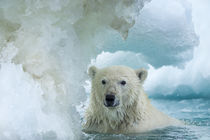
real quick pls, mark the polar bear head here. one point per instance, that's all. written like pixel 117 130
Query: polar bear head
pixel 116 86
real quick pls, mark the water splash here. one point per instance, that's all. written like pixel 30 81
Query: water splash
pixel 45 47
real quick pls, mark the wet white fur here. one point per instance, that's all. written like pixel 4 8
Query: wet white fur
pixel 134 114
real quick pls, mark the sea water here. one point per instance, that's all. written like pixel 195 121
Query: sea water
pixel 46 47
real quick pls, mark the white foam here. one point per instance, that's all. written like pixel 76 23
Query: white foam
pixel 45 47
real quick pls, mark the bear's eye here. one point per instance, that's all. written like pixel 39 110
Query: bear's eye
pixel 103 82
pixel 123 82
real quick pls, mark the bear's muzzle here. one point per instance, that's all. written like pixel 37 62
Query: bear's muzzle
pixel 111 100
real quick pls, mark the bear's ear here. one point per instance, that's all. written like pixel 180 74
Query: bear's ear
pixel 142 74
pixel 92 71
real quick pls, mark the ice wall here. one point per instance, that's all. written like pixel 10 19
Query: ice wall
pixel 45 47
pixel 193 80
pixel 163 33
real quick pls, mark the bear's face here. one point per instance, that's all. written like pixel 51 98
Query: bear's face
pixel 116 86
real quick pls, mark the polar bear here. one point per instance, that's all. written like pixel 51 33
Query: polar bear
pixel 118 103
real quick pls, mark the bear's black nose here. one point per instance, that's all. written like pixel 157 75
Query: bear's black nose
pixel 110 100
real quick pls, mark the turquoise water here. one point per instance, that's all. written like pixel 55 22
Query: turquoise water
pixel 194 112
